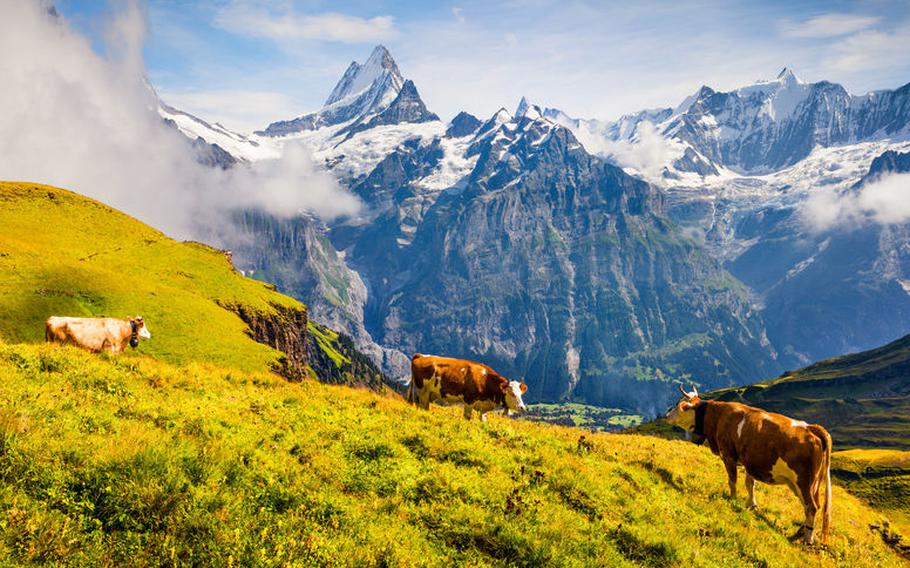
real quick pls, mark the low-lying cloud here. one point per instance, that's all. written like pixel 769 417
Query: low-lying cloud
pixel 648 153
pixel 73 118
pixel 885 201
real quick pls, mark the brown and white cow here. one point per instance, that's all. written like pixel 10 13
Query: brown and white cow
pixel 96 334
pixel 773 449
pixel 475 385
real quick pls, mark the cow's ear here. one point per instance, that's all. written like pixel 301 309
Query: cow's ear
pixel 524 388
pixel 504 386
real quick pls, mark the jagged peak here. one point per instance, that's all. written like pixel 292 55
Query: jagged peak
pixel 527 110
pixel 358 78
pixel 787 76
pixel 500 116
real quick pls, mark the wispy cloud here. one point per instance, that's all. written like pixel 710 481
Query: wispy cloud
pixel 827 25
pixel 286 24
pixel 884 201
pixel 75 119
pixel 869 50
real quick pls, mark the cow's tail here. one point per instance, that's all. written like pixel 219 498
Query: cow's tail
pixel 827 443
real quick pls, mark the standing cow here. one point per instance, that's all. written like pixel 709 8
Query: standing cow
pixel 773 449
pixel 96 334
pixel 475 385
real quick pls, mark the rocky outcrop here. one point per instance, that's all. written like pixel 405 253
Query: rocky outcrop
pixel 284 329
pixel 296 255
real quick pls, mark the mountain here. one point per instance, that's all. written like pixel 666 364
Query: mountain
pixel 863 399
pixel 506 241
pixel 367 95
pixel 760 128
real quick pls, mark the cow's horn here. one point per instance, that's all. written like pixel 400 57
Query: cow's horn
pixel 684 393
pixel 694 391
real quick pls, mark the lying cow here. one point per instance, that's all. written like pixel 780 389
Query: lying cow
pixel 96 334
pixel 773 449
pixel 475 385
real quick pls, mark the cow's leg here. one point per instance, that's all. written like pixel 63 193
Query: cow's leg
pixel 810 501
pixel 731 476
pixel 468 409
pixel 750 487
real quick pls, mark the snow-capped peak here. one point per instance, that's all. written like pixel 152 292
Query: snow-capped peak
pixel 527 110
pixel 359 77
pixel 787 75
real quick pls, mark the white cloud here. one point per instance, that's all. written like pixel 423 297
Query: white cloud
pixel 74 119
pixel 827 25
pixel 256 21
pixel 649 152
pixel 243 111
pixel 885 200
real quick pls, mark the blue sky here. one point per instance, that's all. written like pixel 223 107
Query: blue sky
pixel 248 62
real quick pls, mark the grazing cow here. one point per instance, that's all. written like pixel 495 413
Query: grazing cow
pixel 96 334
pixel 773 449
pixel 475 385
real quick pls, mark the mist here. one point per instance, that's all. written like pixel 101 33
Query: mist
pixel 87 122
pixel 885 200
pixel 649 153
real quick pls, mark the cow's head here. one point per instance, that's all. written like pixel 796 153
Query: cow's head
pixel 513 391
pixel 141 329
pixel 683 414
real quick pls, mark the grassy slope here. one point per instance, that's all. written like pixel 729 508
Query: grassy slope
pixel 863 399
pixel 64 254
pixel 131 460
pixel 879 477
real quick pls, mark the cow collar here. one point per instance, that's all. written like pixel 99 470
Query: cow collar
pixel 699 431
pixel 134 336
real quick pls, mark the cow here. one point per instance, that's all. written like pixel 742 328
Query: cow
pixel 96 334
pixel 475 385
pixel 773 449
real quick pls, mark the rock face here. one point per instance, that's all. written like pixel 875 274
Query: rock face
pixel 463 124
pixel 284 330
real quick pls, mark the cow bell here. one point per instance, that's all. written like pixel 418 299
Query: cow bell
pixel 134 342
pixel 697 439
